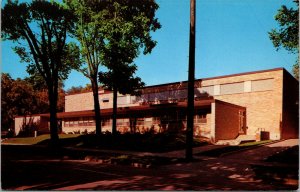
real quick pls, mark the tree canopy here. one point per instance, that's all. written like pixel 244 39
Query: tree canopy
pixel 19 97
pixel 287 35
pixel 41 29
pixel 88 33
pixel 111 34
pixel 126 27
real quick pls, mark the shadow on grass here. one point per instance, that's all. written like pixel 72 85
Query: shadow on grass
pixel 162 142
pixel 281 168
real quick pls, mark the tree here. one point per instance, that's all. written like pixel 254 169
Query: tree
pixel 41 94
pixel 121 79
pixel 126 29
pixel 17 98
pixel 111 34
pixel 287 36
pixel 79 89
pixel 41 29
pixel 7 112
pixel 88 33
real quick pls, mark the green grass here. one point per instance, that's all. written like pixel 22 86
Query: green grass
pixel 161 142
pixel 221 151
pixel 254 143
pixel 36 140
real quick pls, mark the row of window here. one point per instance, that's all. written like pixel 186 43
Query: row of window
pixel 89 121
pixel 223 89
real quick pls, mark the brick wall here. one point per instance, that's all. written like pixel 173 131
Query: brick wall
pixel 85 101
pixel 260 92
pixel 227 120
pixel 264 108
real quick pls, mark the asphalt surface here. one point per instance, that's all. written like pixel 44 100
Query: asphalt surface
pixel 29 168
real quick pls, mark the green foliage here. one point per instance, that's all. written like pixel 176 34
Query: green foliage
pixel 19 97
pixel 126 26
pixel 38 139
pixel 41 29
pixel 287 36
pixel 79 89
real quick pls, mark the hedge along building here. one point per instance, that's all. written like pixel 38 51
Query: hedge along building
pixel 226 107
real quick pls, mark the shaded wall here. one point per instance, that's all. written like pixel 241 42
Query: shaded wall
pixel 42 123
pixel 290 111
pixel 227 120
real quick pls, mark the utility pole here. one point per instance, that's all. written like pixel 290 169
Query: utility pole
pixel 191 79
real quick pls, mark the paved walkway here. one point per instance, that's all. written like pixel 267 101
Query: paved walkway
pixel 231 172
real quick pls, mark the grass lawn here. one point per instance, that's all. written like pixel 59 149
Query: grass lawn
pixel 130 142
pixel 161 142
pixel 219 152
pixel 35 140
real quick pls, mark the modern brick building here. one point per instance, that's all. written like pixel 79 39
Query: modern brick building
pixel 260 104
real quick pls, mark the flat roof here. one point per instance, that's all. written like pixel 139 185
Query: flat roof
pixel 134 109
pixel 219 77
pixel 200 79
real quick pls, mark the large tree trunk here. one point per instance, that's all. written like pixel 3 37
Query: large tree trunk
pixel 114 116
pixel 52 94
pixel 96 106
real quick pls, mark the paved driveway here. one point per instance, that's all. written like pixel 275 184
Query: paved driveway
pixel 231 172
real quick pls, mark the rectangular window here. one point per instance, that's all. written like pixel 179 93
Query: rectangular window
pixel 156 120
pixel 122 122
pixel 122 100
pixel 66 122
pixel 105 122
pixel 208 90
pixel 200 119
pixel 91 121
pixel 105 100
pixel 232 88
pixel 71 123
pixel 140 121
pixel 262 85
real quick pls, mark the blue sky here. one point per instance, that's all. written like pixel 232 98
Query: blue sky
pixel 231 37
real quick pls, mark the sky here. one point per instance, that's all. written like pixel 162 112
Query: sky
pixel 231 37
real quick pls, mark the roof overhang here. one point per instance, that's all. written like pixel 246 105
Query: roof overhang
pixel 202 104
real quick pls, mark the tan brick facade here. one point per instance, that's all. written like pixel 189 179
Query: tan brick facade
pixel 264 108
pixel 268 99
